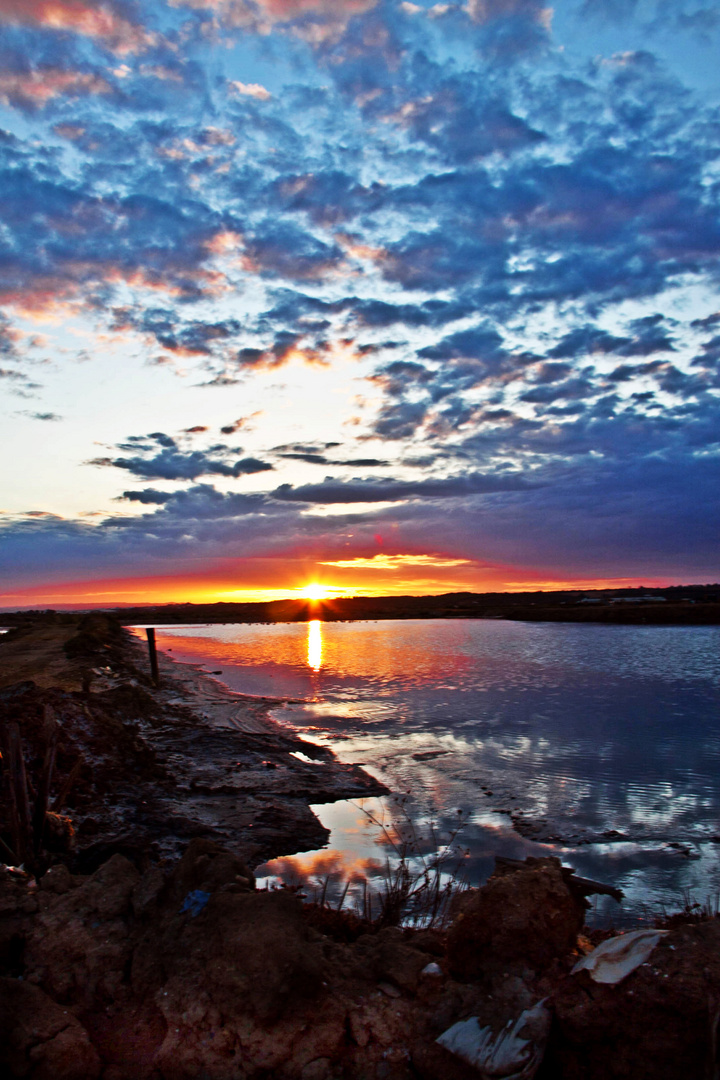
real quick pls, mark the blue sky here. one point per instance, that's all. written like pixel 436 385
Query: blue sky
pixel 398 296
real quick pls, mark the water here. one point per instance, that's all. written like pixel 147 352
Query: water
pixel 598 743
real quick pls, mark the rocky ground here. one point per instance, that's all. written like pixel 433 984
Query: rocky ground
pixel 120 960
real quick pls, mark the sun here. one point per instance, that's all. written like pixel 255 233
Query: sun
pixel 315 591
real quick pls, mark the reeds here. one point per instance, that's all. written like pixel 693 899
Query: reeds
pixel 421 876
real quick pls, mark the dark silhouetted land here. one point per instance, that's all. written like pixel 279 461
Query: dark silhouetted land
pixel 692 605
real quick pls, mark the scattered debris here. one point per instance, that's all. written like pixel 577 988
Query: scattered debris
pixel 194 902
pixel 611 961
pixel 432 969
pixel 515 1053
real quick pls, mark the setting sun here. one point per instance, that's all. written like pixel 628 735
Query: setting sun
pixel 315 591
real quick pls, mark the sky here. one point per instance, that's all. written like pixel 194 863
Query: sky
pixel 394 297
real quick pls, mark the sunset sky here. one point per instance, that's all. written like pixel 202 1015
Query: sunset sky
pixel 397 297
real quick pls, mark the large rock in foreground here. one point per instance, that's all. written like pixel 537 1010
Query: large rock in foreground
pixel 527 915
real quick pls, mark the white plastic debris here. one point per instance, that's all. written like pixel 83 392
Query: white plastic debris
pixel 431 969
pixel 618 956
pixel 506 1055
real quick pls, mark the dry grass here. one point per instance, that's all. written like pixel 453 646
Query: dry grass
pixel 422 874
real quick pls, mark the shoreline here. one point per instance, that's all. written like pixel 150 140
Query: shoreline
pixel 159 766
pixel 121 961
pixel 676 605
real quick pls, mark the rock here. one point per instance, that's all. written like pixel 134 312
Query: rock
pixel 207 867
pixel 18 904
pixel 242 976
pixel 58 834
pixel 17 892
pixel 527 915
pixel 393 960
pixel 657 1024
pixel 58 880
pixel 79 946
pixel 40 1039
pixel 319 1069
pixel 147 891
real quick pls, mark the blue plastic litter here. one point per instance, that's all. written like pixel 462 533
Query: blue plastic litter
pixel 194 902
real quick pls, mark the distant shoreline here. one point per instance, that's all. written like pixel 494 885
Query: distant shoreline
pixel 678 605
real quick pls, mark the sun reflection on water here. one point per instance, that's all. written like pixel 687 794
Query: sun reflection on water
pixel 314 645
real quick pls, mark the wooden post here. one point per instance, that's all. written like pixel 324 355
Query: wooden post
pixel 153 655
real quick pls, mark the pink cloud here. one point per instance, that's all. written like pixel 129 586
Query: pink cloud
pixel 251 90
pixel 94 20
pixel 485 10
pixel 329 17
pixel 36 88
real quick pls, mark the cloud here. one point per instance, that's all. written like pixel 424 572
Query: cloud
pixel 395 562
pixel 34 89
pixel 659 16
pixel 171 462
pixel 322 459
pixel 169 465
pixel 489 227
pixel 254 90
pixel 315 20
pixel 149 496
pixel 105 21
pixel 283 249
pixel 243 423
pixel 371 490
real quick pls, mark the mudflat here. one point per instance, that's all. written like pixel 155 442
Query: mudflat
pixel 156 766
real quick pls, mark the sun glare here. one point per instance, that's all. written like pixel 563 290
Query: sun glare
pixel 315 644
pixel 314 591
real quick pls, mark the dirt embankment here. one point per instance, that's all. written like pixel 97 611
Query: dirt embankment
pixel 187 972
pixel 119 961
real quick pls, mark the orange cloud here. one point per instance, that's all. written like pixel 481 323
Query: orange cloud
pixel 225 241
pixel 92 20
pixel 358 250
pixel 398 562
pixel 50 298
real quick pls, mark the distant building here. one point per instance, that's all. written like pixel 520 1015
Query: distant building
pixel 639 600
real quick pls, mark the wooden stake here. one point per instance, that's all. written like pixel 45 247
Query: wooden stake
pixel 153 655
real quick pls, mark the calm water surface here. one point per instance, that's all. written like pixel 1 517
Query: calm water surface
pixel 603 739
